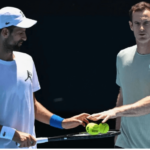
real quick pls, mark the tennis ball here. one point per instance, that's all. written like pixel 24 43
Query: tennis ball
pixel 104 127
pixel 93 128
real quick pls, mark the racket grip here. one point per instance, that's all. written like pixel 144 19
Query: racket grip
pixel 38 141
pixel 41 140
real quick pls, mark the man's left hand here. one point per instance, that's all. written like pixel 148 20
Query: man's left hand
pixel 110 114
pixel 75 121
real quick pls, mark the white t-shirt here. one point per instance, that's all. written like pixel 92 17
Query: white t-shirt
pixel 18 81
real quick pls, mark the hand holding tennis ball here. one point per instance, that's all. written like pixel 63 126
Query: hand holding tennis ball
pixel 94 129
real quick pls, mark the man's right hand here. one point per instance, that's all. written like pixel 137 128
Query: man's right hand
pixel 24 139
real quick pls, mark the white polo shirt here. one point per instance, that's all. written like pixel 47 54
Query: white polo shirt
pixel 18 81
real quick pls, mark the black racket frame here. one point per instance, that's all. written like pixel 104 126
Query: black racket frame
pixel 72 136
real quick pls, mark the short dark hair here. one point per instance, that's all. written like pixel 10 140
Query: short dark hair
pixel 10 28
pixel 138 7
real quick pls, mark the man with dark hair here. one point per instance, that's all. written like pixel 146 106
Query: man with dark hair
pixel 18 82
pixel 133 76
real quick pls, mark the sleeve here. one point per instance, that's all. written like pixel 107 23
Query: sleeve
pixel 35 81
pixel 118 74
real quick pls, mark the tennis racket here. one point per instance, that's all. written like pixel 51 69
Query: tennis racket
pixel 76 136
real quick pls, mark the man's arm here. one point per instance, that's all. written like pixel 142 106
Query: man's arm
pixel 119 103
pixel 139 108
pixel 43 115
pixel 24 139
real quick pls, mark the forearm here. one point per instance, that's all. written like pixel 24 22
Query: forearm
pixel 141 107
pixel 41 113
pixel 45 116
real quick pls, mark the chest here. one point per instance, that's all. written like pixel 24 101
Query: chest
pixel 135 71
pixel 15 78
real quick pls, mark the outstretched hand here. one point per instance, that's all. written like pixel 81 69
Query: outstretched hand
pixel 110 114
pixel 75 121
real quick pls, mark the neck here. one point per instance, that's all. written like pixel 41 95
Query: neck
pixel 6 55
pixel 143 48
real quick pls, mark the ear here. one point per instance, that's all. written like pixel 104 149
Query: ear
pixel 131 25
pixel 5 33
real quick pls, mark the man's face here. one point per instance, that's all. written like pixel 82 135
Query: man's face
pixel 140 25
pixel 15 39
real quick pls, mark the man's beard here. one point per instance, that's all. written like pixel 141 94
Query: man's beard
pixel 9 47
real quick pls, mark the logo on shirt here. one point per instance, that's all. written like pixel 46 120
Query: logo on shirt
pixel 4 133
pixel 29 75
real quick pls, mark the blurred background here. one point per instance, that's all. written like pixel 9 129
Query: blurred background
pixel 74 47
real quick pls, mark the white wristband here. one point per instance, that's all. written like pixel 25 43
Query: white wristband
pixel 7 133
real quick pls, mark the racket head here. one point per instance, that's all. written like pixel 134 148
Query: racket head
pixel 84 136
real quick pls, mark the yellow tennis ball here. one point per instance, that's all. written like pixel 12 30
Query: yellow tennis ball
pixel 93 128
pixel 104 127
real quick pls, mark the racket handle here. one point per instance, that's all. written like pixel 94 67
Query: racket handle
pixel 38 141
pixel 41 140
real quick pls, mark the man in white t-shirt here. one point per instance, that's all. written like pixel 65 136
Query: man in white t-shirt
pixel 133 77
pixel 18 82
